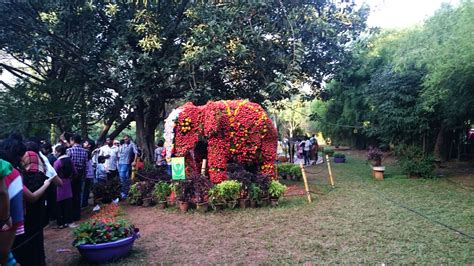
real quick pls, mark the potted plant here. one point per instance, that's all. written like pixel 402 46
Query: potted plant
pixel 216 199
pixel 254 194
pixel 161 192
pixel 134 195
pixel 328 151
pixel 244 178
pixel 184 194
pixel 230 190
pixel 276 190
pixel 146 189
pixel 263 182
pixel 104 238
pixel 374 156
pixel 339 157
pixel 295 171
pixel 201 185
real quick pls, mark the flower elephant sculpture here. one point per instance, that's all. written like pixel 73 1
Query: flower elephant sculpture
pixel 235 131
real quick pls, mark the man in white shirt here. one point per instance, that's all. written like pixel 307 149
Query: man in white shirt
pixel 109 151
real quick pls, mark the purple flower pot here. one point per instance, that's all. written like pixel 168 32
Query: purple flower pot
pixel 339 160
pixel 104 252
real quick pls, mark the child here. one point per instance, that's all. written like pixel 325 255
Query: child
pixel 101 170
pixel 66 171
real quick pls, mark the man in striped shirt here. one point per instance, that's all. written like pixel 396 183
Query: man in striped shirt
pixel 79 157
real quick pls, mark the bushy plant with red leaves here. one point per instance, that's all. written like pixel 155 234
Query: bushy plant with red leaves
pixel 238 131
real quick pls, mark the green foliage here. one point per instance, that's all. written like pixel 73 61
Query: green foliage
pixel 289 170
pixel 328 151
pixel 405 86
pixel 415 163
pixel 101 61
pixel 255 193
pixel 276 189
pixel 161 191
pixel 226 192
pixel 134 194
pixel 339 155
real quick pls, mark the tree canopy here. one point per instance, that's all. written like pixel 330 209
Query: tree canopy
pixel 115 62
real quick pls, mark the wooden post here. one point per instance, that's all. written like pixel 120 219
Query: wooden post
pixel 203 168
pixel 306 187
pixel 330 171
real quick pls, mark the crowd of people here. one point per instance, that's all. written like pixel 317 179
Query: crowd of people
pixel 41 183
pixel 303 148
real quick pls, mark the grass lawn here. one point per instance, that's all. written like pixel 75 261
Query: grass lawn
pixel 353 223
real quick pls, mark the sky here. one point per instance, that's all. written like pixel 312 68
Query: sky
pixel 401 13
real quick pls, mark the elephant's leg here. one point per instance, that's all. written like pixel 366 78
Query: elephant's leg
pixel 218 155
pixel 269 158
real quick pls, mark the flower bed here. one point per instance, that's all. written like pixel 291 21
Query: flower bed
pixel 104 236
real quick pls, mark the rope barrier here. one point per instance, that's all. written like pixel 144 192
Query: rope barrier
pixel 400 205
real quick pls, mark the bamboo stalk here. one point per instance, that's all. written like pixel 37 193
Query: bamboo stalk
pixel 331 180
pixel 306 187
pixel 203 168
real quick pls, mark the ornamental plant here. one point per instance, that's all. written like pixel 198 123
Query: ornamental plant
pixel 161 191
pixel 339 155
pixel 238 131
pixel 104 227
pixel 255 192
pixel 328 151
pixel 276 189
pixel 375 155
pixel 134 194
pixel 97 231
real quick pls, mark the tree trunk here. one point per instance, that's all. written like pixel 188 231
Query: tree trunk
pixel 147 117
pixel 439 145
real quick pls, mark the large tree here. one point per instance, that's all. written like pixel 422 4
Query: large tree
pixel 120 61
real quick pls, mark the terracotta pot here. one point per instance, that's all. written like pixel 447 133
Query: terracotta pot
pixel 147 202
pixel 265 202
pixel 162 204
pixel 253 204
pixel 183 206
pixel 232 204
pixel 202 207
pixel 243 203
pixel 218 206
pixel 274 202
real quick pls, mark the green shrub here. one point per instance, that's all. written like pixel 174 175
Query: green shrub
pixel 295 171
pixel 339 155
pixel 415 163
pixel 276 189
pixel 285 169
pixel 134 194
pixel 161 191
pixel 255 192
pixel 328 151
pixel 226 192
